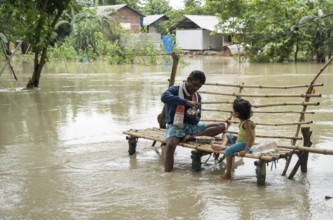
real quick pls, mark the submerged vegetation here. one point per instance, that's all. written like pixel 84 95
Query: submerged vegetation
pixel 268 30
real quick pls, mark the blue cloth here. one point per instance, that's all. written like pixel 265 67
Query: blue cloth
pixel 179 132
pixel 168 43
pixel 234 147
pixel 171 99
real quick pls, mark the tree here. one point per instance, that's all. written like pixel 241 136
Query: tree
pixel 155 7
pixel 35 21
pixel 317 29
pixel 193 7
pixel 131 3
pixel 267 28
pixel 87 27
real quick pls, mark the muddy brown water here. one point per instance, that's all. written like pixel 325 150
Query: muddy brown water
pixel 63 154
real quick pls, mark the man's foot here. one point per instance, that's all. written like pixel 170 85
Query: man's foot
pixel 226 176
pixel 218 147
pixel 188 137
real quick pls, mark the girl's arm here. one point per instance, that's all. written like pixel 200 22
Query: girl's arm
pixel 248 127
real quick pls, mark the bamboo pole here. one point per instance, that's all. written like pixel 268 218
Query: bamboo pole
pixel 175 59
pixel 267 105
pixel 261 87
pixel 307 99
pixel 272 136
pixel 261 96
pixel 8 60
pixel 206 147
pixel 262 124
pixel 287 104
pixel 308 149
pixel 270 112
pixel 159 136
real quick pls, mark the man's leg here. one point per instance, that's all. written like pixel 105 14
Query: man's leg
pixel 171 144
pixel 212 130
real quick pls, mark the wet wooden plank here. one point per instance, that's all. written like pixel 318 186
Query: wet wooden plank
pixel 157 134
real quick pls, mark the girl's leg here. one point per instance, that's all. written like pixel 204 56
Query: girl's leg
pixel 223 146
pixel 229 152
pixel 227 174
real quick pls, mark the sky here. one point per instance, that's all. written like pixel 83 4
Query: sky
pixel 177 4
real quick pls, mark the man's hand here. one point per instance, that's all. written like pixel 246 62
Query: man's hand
pixel 193 104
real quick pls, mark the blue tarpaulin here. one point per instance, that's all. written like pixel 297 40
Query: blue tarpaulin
pixel 168 43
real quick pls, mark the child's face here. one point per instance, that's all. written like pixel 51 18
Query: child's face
pixel 234 114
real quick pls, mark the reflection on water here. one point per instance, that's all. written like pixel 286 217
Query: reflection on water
pixel 63 154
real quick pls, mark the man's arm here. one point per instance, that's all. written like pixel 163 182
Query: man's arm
pixel 170 96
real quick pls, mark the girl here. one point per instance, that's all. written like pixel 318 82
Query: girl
pixel 244 141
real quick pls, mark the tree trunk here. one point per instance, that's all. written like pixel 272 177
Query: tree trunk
pixel 39 62
pixel 296 50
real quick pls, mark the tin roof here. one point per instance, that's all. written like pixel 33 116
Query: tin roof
pixel 149 19
pixel 109 9
pixel 197 21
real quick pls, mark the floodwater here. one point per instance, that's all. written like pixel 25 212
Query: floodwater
pixel 63 154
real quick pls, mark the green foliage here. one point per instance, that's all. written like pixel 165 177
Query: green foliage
pixel 226 9
pixel 155 7
pixel 131 3
pixel 270 30
pixel 268 26
pixel 33 22
pixel 65 51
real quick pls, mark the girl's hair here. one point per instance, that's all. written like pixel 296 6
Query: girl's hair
pixel 243 108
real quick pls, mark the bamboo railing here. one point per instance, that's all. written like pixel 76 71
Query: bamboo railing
pixel 291 102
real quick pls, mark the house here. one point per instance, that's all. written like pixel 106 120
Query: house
pixel 198 32
pixel 129 18
pixel 151 22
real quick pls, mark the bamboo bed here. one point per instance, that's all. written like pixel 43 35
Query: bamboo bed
pixel 291 131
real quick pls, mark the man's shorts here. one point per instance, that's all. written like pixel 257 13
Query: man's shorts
pixel 179 132
pixel 234 147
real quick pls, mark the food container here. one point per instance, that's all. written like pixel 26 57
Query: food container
pixel 204 139
pixel 192 111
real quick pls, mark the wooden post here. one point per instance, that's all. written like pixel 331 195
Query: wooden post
pixel 196 160
pixel 175 59
pixel 307 143
pixel 303 155
pixel 132 144
pixel 260 172
pixel 8 59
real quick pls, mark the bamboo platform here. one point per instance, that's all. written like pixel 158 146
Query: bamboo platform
pixel 157 134
pixel 287 104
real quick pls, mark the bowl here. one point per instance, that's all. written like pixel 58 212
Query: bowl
pixel 204 139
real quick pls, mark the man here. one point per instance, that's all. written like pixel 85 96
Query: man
pixel 182 115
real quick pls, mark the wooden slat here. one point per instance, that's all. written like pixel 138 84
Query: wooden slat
pixel 261 95
pixel 262 87
pixel 256 111
pixel 262 124
pixel 268 105
pixel 156 134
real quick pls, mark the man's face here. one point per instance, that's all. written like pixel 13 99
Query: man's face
pixel 193 86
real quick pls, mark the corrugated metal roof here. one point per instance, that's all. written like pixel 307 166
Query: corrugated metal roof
pixel 108 9
pixel 202 21
pixel 149 19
